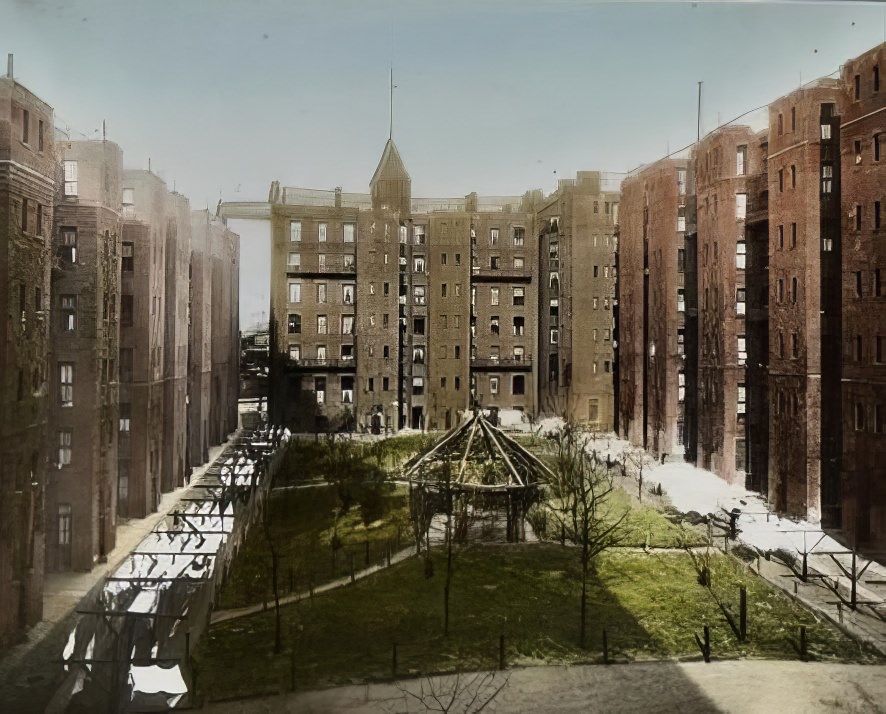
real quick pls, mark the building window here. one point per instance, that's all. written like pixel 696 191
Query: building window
pixel 519 296
pixel 793 235
pixel 741 160
pixel 321 232
pixel 519 353
pixel 348 262
pixel 876 215
pixel 795 345
pixel 781 179
pixel 859 416
pixel 418 354
pixel 740 399
pixel 418 264
pixel 493 385
pixel 681 218
pixel 321 293
pixel 347 293
pixel 386 289
pixel 385 319
pixel 126 310
pixel 418 294
pixel 295 231
pixel 780 230
pixel 418 235
pixel 443 290
pixel 66 383
pixel 64 524
pixel 519 263
pixel 457 384
pixel 493 325
pixel 858 284
pixel 386 384
pixel 418 325
pixel 741 249
pixel 857 94
pixel 793 176
pixel 740 294
pixel 347 390
pixel 125 417
pixel 519 326
pixel 876 77
pixel 320 389
pixel 350 232
pixel 876 143
pixel 347 324
pixel 418 386
pixel 555 336
pixel 794 289
pixel 70 178
pixel 825 132
pixel 793 118
pixel 493 236
pixel 781 344
pixel 596 206
pixel 857 147
pixel 827 178
pixel 780 293
pixel 294 292
pixel 68 305
pixel 294 324
pixel 858 214
pixel 518 384
pixel 295 352
pixel 322 325
pixel 127 257
pixel 494 294
pixel 827 244
pixel 64 446
pixel 519 236
pixel 780 124
pixel 294 261
pixel 741 206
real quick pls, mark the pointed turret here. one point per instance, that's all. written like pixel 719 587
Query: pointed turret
pixel 391 186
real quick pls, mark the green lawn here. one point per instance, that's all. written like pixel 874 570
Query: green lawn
pixel 650 605
pixel 303 524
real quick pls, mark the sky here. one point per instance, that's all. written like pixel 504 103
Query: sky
pixel 493 96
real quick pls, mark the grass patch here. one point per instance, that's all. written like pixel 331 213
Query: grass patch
pixel 650 605
pixel 303 524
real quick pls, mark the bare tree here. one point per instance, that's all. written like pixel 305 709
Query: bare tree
pixel 581 504
pixel 457 693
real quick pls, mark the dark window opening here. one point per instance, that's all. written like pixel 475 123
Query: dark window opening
pixel 293 326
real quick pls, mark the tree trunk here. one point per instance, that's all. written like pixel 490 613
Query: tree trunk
pixel 584 605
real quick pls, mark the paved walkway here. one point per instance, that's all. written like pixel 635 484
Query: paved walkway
pixel 741 687
pixel 224 615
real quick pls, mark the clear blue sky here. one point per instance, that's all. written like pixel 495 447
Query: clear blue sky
pixel 492 96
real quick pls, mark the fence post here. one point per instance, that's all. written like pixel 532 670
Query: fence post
pixel 605 648
pixel 707 643
pixel 501 651
pixel 743 613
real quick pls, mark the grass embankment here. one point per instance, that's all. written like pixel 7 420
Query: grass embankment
pixel 651 605
pixel 303 525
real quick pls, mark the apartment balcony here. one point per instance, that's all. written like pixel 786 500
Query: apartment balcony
pixel 322 365
pixel 504 364
pixel 331 269
pixel 501 275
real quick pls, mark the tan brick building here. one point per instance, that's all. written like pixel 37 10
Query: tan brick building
pixel 862 181
pixel 577 229
pixel 390 311
pixel 28 175
pixel 85 331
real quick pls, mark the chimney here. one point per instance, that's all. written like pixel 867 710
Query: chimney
pixel 9 66
pixel 338 196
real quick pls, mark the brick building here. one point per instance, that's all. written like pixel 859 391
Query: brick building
pixel 224 247
pixel 725 163
pixel 652 304
pixel 860 174
pixel 142 334
pixel 390 311
pixel 804 299
pixel 84 328
pixel 28 175
pixel 577 246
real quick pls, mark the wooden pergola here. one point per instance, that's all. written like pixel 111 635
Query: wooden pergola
pixel 478 462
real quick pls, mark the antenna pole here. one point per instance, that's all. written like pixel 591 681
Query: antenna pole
pixel 698 128
pixel 391 127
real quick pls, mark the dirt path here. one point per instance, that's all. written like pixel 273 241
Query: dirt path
pixel 741 687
